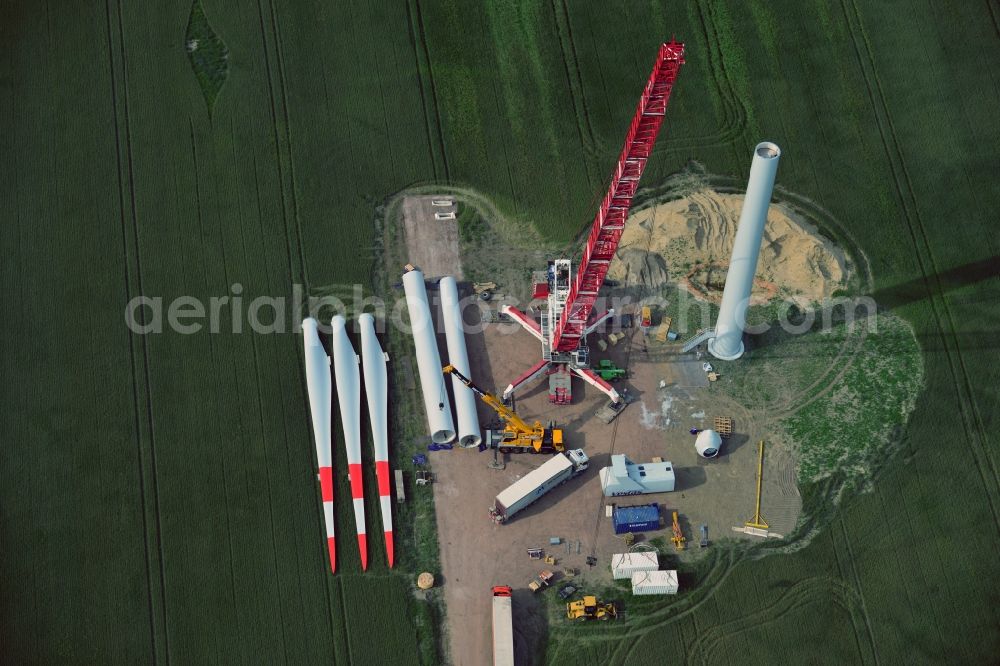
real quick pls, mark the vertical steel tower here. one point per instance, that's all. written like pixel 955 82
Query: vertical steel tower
pixel 564 323
pixel 727 343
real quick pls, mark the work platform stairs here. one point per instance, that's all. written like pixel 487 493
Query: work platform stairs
pixel 697 339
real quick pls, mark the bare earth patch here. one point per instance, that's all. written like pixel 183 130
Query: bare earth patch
pixel 665 243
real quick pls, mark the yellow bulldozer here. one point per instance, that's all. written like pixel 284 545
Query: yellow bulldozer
pixel 589 608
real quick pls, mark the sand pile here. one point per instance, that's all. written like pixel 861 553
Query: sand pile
pixel 699 229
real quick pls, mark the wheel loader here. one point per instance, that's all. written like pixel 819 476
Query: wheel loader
pixel 589 608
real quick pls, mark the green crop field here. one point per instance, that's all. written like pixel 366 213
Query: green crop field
pixel 158 499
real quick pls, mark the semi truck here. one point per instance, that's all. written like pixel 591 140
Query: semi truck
pixel 520 494
pixel 503 627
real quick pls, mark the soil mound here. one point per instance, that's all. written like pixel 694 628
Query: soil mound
pixel 698 230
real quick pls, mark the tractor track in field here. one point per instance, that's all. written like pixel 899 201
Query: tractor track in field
pixel 856 580
pixel 276 136
pixel 130 236
pixel 414 39
pixel 267 477
pixel 420 36
pixel 971 418
pixel 574 80
pixel 972 424
pixel 735 113
pixel 798 596
pixel 734 110
pixel 288 201
pixel 991 7
pixel 277 120
pixel 292 199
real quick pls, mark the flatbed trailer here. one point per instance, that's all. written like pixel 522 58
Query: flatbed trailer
pixel 503 626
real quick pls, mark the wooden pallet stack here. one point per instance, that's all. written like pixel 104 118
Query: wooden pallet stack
pixel 724 426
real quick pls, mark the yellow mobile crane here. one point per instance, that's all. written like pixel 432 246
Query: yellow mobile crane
pixel 517 435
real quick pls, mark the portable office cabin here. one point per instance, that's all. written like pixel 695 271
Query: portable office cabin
pixel 625 477
pixel 654 582
pixel 623 565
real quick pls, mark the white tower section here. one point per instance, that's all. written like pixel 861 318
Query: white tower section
pixel 728 342
pixel 454 330
pixel 442 428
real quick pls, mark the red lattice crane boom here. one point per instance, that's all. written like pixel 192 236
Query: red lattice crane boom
pixel 564 324
pixel 609 223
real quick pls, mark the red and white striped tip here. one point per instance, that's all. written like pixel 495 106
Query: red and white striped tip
pixel 359 519
pixel 363 549
pixel 331 546
pixel 385 502
pixel 358 495
pixel 326 488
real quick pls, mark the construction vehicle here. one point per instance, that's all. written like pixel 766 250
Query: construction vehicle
pixel 550 559
pixel 647 317
pixel 517 435
pixel 678 537
pixel 664 331
pixel 541 580
pixel 537 482
pixel 610 411
pixel 608 371
pixel 560 386
pixel 567 591
pixel 589 608
pixel 503 626
pixel 567 318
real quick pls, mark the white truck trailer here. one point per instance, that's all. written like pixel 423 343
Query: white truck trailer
pixel 503 627
pixel 625 477
pixel 537 482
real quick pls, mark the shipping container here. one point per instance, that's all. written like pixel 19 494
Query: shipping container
pixel 503 627
pixel 642 518
pixel 623 565
pixel 654 582
pixel 537 482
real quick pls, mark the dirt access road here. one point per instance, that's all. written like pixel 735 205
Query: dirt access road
pixel 432 244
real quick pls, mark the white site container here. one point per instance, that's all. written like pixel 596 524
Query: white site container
pixel 623 565
pixel 654 582
pixel 625 477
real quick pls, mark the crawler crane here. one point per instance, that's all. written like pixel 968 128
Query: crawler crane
pixel 517 436
pixel 570 297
